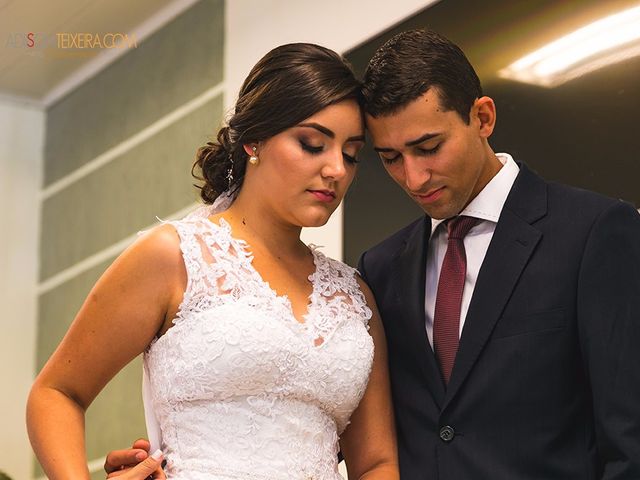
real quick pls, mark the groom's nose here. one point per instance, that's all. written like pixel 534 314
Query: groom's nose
pixel 416 173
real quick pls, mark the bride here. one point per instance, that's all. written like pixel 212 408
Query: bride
pixel 264 357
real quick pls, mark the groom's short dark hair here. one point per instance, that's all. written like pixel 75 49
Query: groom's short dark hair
pixel 411 63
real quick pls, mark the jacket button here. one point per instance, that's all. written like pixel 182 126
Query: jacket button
pixel 447 433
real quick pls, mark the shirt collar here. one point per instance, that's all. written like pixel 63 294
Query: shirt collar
pixel 487 205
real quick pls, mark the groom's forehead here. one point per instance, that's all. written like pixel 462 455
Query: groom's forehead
pixel 406 125
pixel 425 104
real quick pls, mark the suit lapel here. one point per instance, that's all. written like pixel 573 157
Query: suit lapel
pixel 411 295
pixel 513 242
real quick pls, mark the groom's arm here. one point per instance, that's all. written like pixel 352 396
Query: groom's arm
pixel 608 308
pixel 362 269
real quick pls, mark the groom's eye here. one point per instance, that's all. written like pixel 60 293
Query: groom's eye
pixel 429 151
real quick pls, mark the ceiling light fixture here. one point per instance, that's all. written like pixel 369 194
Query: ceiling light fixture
pixel 604 42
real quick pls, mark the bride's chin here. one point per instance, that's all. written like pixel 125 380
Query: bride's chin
pixel 307 223
pixel 315 219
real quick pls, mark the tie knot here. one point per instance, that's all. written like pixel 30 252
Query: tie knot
pixel 459 226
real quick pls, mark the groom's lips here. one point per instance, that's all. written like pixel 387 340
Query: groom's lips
pixel 428 197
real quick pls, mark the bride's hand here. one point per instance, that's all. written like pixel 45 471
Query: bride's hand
pixel 149 468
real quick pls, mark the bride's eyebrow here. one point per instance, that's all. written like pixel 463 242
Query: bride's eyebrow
pixel 329 133
pixel 320 128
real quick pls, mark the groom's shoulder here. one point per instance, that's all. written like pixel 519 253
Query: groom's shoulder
pixel 560 198
pixel 384 251
pixel 572 196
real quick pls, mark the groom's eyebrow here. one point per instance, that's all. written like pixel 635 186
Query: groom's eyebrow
pixel 410 143
pixel 423 138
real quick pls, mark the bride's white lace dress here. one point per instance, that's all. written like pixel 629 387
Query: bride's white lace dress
pixel 240 388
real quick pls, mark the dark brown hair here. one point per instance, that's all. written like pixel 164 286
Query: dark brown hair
pixel 411 63
pixel 289 84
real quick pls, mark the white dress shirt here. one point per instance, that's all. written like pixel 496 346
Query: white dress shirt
pixel 486 207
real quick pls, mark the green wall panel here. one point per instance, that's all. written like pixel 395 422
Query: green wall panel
pixel 166 70
pixel 108 205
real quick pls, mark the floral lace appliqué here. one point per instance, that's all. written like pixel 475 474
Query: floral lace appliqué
pixel 240 388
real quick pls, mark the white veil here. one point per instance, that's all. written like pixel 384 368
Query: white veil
pixel 154 432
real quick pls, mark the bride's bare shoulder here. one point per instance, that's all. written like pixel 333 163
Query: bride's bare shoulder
pixel 157 249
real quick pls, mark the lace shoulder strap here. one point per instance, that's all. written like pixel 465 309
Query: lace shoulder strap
pixel 336 285
pixel 215 263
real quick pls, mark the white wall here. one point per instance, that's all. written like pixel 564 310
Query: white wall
pixel 253 27
pixel 21 137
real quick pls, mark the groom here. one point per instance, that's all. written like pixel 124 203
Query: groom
pixel 512 308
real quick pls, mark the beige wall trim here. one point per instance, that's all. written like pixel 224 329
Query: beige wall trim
pixel 20 101
pixel 132 141
pixel 22 130
pixel 101 256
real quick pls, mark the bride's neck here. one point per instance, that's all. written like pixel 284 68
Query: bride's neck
pixel 262 229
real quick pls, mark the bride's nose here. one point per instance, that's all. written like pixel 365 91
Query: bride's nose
pixel 334 166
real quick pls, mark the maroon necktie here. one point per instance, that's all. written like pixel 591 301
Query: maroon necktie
pixel 446 319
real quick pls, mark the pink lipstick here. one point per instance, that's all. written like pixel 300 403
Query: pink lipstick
pixel 323 195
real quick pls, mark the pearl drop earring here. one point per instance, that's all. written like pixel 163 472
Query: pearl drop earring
pixel 253 159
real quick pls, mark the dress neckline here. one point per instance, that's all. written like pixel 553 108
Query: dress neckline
pixel 245 255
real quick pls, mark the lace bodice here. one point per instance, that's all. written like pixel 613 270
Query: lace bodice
pixel 242 389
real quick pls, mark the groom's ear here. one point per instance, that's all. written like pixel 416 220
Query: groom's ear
pixel 483 112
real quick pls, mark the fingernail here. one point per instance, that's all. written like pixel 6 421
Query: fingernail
pixel 141 456
pixel 157 454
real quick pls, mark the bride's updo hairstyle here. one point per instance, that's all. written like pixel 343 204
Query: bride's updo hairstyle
pixel 288 85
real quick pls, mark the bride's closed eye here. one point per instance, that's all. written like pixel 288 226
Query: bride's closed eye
pixel 311 148
pixel 350 158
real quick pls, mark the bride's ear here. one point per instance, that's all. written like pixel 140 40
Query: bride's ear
pixel 250 148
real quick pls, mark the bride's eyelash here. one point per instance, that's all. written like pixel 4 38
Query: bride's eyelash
pixel 313 150
pixel 310 148
pixel 350 158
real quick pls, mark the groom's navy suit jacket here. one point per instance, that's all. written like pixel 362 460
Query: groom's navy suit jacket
pixel 546 381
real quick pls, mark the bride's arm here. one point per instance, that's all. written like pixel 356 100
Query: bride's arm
pixel 126 308
pixel 369 442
